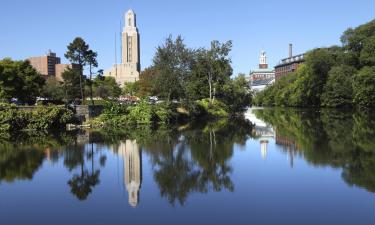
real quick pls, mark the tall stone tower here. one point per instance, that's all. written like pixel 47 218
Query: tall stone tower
pixel 130 67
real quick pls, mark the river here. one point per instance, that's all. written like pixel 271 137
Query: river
pixel 280 166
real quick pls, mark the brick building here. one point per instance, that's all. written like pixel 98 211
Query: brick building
pixel 50 65
pixel 45 65
pixel 289 65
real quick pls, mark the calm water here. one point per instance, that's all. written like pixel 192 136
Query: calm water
pixel 287 167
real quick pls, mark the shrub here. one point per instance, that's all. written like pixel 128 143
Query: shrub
pixel 41 118
pixel 217 109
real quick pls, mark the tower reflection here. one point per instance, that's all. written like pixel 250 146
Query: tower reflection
pixel 132 165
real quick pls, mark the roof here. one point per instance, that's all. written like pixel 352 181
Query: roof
pixel 263 71
pixel 262 82
pixel 294 59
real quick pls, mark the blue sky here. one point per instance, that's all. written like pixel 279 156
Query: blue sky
pixel 30 28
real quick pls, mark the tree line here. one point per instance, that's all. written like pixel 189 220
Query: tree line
pixel 177 73
pixel 188 75
pixel 338 76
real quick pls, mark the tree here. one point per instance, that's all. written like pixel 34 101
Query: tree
pixel 77 53
pixel 364 87
pixel 367 56
pixel 148 82
pixel 18 79
pixel 338 90
pixel 53 89
pixel 237 94
pixel 93 63
pixel 173 61
pixel 106 87
pixel 71 84
pixel 213 68
pixel 131 88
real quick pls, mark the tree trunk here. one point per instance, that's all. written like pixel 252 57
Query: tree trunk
pixel 210 86
pixel 92 100
pixel 80 83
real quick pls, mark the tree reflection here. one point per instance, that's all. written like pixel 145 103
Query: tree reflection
pixel 82 184
pixel 342 139
pixel 197 160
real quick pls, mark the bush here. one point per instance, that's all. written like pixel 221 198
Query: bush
pixel 217 109
pixel 41 118
pixel 142 113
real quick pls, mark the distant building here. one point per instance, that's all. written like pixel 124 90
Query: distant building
pixel 263 76
pixel 50 65
pixel 130 67
pixel 60 68
pixel 290 64
pixel 45 65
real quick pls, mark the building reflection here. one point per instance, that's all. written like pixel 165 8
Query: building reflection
pixel 261 131
pixel 290 147
pixel 132 165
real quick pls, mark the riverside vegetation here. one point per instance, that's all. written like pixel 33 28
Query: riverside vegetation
pixel 331 77
pixel 192 83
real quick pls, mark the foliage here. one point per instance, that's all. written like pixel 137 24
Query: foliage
pixel 18 79
pixel 141 114
pixel 41 118
pixel 53 89
pixel 215 109
pixel 338 90
pixel 237 94
pixel 71 84
pixel 173 61
pixel 131 88
pixel 364 87
pixel 148 82
pixel 106 87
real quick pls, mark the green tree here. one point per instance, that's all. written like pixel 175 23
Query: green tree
pixel 18 79
pixel 148 82
pixel 212 68
pixel 77 53
pixel 71 84
pixel 338 91
pixel 131 88
pixel 364 87
pixel 367 56
pixel 173 61
pixel 237 94
pixel 53 89
pixel 106 87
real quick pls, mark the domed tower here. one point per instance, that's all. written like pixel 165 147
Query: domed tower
pixel 263 61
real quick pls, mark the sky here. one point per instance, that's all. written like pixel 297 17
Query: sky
pixel 32 27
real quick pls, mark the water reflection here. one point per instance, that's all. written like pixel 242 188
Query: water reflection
pixel 132 165
pixel 197 158
pixel 340 139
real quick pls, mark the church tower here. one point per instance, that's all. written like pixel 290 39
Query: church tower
pixel 263 61
pixel 130 67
